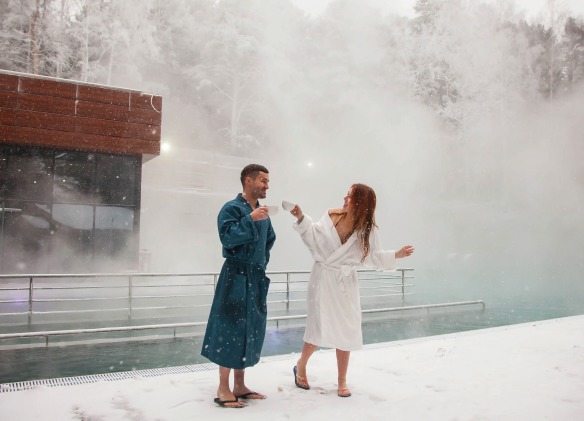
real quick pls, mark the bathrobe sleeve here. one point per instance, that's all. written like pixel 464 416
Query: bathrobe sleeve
pixel 236 227
pixel 378 258
pixel 313 235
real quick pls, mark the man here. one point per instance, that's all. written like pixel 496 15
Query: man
pixel 237 322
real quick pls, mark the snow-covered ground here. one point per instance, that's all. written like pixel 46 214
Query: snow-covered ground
pixel 531 371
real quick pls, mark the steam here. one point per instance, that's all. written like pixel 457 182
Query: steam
pixel 498 206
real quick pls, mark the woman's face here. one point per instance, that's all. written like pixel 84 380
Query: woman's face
pixel 347 203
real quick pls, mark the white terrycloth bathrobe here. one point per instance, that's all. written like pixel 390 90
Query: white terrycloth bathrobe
pixel 334 305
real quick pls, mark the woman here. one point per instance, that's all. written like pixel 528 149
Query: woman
pixel 342 241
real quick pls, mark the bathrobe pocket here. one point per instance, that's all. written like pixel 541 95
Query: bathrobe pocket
pixel 238 288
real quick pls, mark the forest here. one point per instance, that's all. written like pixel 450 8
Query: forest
pixel 244 77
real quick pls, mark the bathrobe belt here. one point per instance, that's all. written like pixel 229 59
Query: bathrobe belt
pixel 346 271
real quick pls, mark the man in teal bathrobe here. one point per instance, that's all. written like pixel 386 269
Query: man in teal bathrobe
pixel 237 321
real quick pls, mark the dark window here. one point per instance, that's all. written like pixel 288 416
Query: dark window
pixel 116 179
pixel 74 177
pixel 64 211
pixel 25 236
pixel 29 175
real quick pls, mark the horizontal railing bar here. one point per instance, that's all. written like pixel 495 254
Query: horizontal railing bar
pixel 98 330
pixel 423 306
pixel 135 297
pixel 59 300
pixel 383 280
pixel 127 275
pixel 157 274
pixel 386 295
pixel 388 286
pixel 96 310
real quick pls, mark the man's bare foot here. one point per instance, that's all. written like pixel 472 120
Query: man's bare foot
pixel 228 404
pixel 250 394
pixel 227 399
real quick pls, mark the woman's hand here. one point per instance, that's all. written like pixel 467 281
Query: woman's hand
pixel 405 251
pixel 297 212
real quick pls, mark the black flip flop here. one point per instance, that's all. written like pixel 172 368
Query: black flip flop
pixel 222 403
pixel 295 370
pixel 249 395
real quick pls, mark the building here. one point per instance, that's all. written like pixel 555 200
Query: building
pixel 71 157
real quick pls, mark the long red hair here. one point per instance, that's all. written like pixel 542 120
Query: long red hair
pixel 363 201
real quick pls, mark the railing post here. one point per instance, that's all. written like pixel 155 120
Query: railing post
pixel 30 290
pixel 215 276
pixel 403 283
pixel 130 279
pixel 287 291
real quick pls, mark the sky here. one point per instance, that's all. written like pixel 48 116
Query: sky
pixel 405 7
pixel 532 371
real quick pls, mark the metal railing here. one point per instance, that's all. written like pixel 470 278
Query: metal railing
pixel 174 326
pixel 373 284
pixel 390 283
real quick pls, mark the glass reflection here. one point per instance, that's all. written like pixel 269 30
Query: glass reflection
pixel 28 176
pixel 58 227
pixel 114 234
pixel 74 177
pixel 116 179
pixel 25 237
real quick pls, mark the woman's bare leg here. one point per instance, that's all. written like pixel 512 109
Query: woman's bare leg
pixel 307 351
pixel 342 367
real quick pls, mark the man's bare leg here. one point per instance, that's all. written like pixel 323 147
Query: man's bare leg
pixel 224 391
pixel 240 389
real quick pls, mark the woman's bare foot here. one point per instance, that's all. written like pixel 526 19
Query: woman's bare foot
pixel 344 392
pixel 300 378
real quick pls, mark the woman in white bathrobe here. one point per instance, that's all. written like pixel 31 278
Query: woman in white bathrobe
pixel 342 241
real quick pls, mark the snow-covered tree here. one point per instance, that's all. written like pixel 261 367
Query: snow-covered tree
pixel 230 70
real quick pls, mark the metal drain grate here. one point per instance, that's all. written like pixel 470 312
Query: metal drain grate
pixel 94 378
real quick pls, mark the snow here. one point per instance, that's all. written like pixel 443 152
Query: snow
pixel 531 371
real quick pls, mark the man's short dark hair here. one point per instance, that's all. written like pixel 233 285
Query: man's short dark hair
pixel 252 171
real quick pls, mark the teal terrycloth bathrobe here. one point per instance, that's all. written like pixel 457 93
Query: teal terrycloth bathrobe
pixel 237 322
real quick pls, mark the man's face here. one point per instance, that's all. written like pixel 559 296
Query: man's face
pixel 260 185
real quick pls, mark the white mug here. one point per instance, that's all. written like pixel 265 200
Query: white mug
pixel 272 210
pixel 288 206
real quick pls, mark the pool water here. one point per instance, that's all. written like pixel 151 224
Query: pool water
pixel 94 358
pixel 504 304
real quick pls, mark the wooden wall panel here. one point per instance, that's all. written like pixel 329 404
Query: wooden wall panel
pixel 78 141
pixel 46 121
pixel 50 121
pixel 102 111
pixel 146 101
pixel 47 87
pixel 118 129
pixel 103 95
pixel 142 115
pixel 8 99
pixel 47 104
pixel 8 82
pixel 67 114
